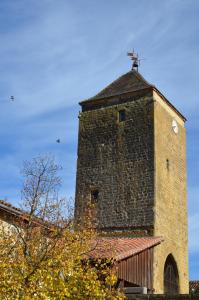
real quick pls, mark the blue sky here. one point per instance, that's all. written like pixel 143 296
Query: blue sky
pixel 54 53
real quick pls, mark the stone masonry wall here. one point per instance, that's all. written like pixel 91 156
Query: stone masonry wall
pixel 116 158
pixel 170 195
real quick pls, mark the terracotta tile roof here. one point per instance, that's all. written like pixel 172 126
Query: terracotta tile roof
pixel 15 213
pixel 6 206
pixel 193 284
pixel 121 248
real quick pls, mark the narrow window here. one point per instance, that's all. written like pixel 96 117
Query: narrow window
pixel 168 164
pixel 94 196
pixel 122 115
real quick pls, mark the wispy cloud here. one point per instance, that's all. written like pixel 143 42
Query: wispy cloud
pixel 55 53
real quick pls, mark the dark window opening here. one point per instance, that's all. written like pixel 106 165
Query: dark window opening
pixel 94 195
pixel 122 115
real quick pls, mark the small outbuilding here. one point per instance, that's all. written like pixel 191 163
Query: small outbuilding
pixel 133 257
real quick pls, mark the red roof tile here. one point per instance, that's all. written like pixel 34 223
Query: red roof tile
pixel 9 207
pixel 121 248
pixel 193 284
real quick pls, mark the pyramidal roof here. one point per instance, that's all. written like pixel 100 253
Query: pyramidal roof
pixel 129 82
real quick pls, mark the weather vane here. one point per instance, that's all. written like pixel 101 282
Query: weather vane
pixel 134 57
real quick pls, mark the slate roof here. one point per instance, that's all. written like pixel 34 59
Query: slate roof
pixel 121 248
pixel 129 82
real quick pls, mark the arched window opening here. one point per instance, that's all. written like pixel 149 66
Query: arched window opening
pixel 171 277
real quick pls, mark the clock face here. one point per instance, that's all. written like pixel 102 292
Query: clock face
pixel 175 126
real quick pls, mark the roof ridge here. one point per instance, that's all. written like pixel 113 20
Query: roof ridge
pixel 140 77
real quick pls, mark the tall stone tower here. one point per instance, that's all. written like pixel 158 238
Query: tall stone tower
pixel 132 166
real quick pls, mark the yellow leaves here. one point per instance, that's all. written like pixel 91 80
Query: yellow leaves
pixel 111 279
pixel 54 268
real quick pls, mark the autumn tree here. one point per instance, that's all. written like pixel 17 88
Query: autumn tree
pixel 42 255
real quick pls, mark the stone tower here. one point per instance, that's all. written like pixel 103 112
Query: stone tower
pixel 132 167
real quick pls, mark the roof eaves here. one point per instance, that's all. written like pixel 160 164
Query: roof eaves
pixel 148 86
pixel 92 100
pixel 169 103
pixel 10 208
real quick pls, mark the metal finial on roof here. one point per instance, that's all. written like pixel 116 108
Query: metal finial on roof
pixel 134 57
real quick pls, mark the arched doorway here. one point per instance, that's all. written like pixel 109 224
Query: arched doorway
pixel 171 277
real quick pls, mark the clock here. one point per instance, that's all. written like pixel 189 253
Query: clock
pixel 175 126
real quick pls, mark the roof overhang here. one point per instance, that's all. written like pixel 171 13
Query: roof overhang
pixel 151 88
pixel 121 248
